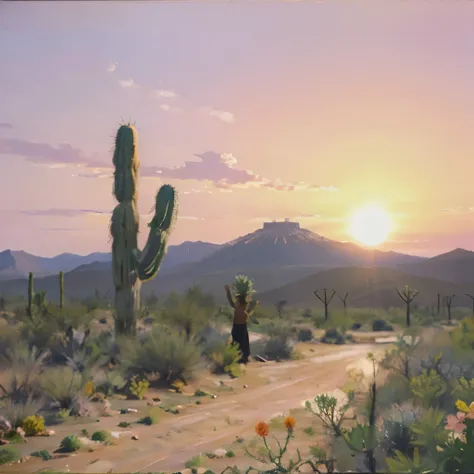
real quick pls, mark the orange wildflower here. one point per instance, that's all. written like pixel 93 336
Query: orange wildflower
pixel 290 423
pixel 261 428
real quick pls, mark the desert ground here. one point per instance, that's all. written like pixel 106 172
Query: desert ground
pixel 221 423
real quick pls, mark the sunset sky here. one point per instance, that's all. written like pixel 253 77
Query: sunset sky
pixel 253 110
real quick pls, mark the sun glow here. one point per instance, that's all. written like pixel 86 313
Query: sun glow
pixel 370 225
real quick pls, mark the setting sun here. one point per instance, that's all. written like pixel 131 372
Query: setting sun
pixel 370 225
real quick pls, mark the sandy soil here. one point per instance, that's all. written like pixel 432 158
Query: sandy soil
pixel 265 392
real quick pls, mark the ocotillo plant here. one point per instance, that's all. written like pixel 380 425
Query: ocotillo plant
pixel 61 289
pixel 449 302
pixel 31 294
pixel 130 267
pixel 472 298
pixel 325 301
pixel 344 302
pixel 407 296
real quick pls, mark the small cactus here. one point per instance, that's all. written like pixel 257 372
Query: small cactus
pixel 61 290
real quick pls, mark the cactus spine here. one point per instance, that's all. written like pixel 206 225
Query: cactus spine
pixel 61 289
pixel 31 294
pixel 130 267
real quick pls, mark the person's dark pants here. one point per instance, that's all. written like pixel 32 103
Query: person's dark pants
pixel 240 336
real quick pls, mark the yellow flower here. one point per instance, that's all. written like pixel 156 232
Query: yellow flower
pixel 290 423
pixel 470 414
pixel 462 406
pixel 261 428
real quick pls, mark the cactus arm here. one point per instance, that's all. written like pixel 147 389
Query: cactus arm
pixel 147 269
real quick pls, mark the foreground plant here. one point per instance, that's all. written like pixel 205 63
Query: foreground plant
pixel 274 457
pixel 130 267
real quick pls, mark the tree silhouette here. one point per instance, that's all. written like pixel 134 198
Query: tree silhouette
pixel 325 301
pixel 408 295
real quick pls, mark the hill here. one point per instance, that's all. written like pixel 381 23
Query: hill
pixel 17 264
pixel 456 266
pixel 367 288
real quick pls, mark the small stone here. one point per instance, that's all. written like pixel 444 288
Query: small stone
pixel 214 396
pixel 246 386
pixel 135 437
pixel 5 425
pixel 21 432
pixel 220 453
pixel 3 442
pixel 157 399
pixel 24 459
pixel 51 432
pixel 132 410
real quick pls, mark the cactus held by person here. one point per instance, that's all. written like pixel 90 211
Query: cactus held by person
pixel 131 266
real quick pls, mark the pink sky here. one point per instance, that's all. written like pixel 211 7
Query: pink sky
pixel 311 110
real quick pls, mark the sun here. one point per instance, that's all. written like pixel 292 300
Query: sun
pixel 371 225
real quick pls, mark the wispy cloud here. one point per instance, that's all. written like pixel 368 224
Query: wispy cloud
pixel 458 210
pixel 224 116
pixel 112 67
pixel 128 84
pixel 65 212
pixel 5 125
pixel 220 169
pixel 163 94
pixel 169 108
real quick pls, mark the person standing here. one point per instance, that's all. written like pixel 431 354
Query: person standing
pixel 243 309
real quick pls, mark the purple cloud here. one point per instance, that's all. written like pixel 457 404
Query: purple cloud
pixel 5 125
pixel 64 212
pixel 218 168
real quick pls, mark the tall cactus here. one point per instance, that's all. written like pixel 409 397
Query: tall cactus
pixel 130 267
pixel 61 289
pixel 31 294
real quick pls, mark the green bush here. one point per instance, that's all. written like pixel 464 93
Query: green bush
pixel 61 384
pixel 70 444
pixel 101 436
pixel 279 347
pixel 305 335
pixel 43 454
pixel 333 336
pixel 381 325
pixel 227 360
pixel 9 454
pixel 163 353
pixel 138 388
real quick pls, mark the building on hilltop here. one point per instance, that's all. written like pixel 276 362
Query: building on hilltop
pixel 285 225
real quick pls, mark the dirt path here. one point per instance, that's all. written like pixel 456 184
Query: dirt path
pixel 273 389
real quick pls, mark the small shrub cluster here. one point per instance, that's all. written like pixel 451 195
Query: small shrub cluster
pixel 334 336
pixel 381 325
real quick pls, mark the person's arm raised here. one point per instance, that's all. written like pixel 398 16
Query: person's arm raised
pixel 229 296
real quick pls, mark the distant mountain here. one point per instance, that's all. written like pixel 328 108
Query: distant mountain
pixel 275 255
pixel 456 266
pixel 367 288
pixel 17 264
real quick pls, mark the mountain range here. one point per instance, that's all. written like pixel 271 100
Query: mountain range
pixel 281 258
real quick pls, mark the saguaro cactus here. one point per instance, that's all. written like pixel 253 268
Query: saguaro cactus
pixel 131 267
pixel 61 289
pixel 407 296
pixel 31 294
pixel 449 302
pixel 472 299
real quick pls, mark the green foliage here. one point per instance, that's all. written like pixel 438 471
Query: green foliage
pixel 16 412
pixel 9 454
pixel 138 388
pixel 227 360
pixel 305 335
pixel 242 286
pixel 194 462
pixel 70 444
pixel 32 425
pixel 61 384
pixel 101 436
pixel 403 464
pixel 123 424
pixel 429 431
pixel 151 419
pixel 43 454
pixel 381 325
pixel 279 347
pixel 334 336
pixel 163 353
pixel 428 387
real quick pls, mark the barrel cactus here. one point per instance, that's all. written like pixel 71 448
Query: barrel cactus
pixel 130 266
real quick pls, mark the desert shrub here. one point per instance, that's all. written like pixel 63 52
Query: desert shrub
pixel 151 419
pixel 279 347
pixel 381 325
pixel 333 336
pixel 212 340
pixel 101 436
pixel 61 385
pixel 227 360
pixel 32 425
pixel 9 454
pixel 109 381
pixel 356 326
pixel 305 335
pixel 43 454
pixel 13 437
pixel 70 444
pixel 123 424
pixel 194 462
pixel 16 412
pixel 166 354
pixel 138 387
